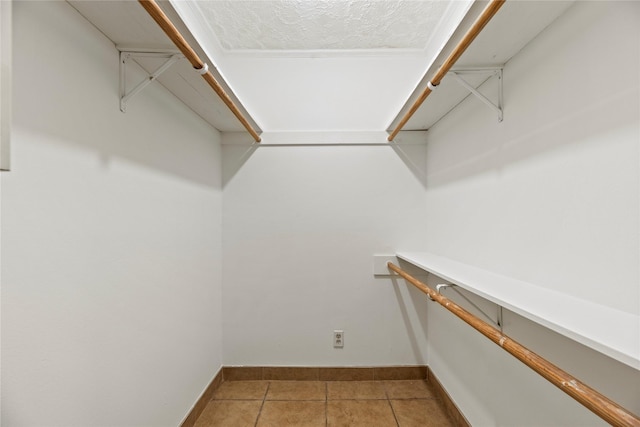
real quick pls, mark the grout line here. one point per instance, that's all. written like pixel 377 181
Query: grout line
pixel 295 400
pixel 360 399
pixel 386 393
pixel 264 398
pixel 326 404
pixel 394 414
pixel 244 399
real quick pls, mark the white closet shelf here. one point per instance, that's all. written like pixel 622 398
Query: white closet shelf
pixel 609 331
pixel 131 29
pixel 522 20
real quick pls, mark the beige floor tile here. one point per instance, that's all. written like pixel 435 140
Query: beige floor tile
pixel 420 413
pixel 297 390
pixel 292 413
pixel 412 389
pixel 243 390
pixel 360 413
pixel 229 413
pixel 358 390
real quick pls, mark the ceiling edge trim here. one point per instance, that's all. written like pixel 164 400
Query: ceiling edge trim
pixel 329 138
pixel 324 53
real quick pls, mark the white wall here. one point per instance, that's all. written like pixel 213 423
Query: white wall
pixel 324 93
pixel 550 196
pixel 301 224
pixel 111 239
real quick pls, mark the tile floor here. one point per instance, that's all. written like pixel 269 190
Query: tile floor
pixel 409 403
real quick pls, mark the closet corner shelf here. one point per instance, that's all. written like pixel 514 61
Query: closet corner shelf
pixel 609 331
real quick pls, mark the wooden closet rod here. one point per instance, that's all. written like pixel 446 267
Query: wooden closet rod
pixel 473 32
pixel 170 30
pixel 600 405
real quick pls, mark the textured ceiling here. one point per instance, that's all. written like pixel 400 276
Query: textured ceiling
pixel 285 25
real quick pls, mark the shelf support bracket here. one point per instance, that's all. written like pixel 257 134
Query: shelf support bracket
pixel 497 322
pixel 490 72
pixel 125 55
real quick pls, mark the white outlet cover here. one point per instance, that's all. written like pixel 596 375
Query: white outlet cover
pixel 380 264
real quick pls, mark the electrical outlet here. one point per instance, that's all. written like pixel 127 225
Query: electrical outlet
pixel 338 339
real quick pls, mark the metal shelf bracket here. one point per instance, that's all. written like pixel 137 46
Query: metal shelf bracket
pixel 498 322
pixel 126 54
pixel 490 72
